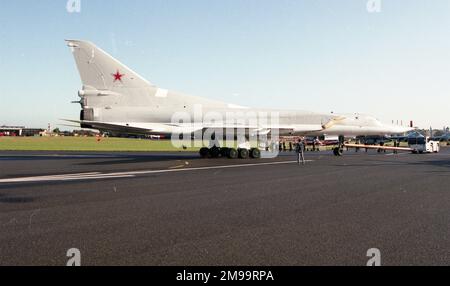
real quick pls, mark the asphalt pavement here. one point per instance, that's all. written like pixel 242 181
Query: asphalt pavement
pixel 178 209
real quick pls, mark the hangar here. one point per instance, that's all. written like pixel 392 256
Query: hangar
pixel 20 131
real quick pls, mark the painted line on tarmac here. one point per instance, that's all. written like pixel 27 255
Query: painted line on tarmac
pixel 398 154
pixel 98 175
pixel 12 157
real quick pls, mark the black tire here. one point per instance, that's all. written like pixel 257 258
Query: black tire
pixel 215 152
pixel 204 152
pixel 255 153
pixel 232 153
pixel 224 152
pixel 337 151
pixel 243 153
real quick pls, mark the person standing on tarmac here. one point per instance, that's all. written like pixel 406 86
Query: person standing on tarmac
pixel 300 151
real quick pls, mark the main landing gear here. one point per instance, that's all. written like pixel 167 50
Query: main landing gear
pixel 231 153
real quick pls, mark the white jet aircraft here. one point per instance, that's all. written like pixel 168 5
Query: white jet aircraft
pixel 115 99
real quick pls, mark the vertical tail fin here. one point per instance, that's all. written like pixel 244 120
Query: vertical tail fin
pixel 99 70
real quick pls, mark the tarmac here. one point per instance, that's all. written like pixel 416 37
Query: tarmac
pixel 178 209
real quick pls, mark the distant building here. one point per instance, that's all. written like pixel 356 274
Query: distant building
pixel 11 130
pixel 29 132
pixel 20 131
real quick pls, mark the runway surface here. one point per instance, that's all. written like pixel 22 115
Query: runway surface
pixel 178 209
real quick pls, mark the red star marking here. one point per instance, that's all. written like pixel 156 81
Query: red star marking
pixel 117 76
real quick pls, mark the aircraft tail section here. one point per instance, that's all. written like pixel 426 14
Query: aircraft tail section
pixel 100 71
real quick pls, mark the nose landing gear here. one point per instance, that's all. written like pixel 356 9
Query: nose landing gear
pixel 339 151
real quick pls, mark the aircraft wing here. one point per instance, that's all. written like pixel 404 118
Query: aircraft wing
pixel 115 127
pixel 291 129
pixel 169 128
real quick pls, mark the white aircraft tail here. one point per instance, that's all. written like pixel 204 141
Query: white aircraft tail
pixel 99 70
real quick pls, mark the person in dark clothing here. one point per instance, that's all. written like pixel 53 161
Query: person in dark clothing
pixel 300 151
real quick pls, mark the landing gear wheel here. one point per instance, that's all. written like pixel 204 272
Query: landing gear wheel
pixel 215 152
pixel 243 153
pixel 233 153
pixel 204 152
pixel 224 152
pixel 338 151
pixel 255 153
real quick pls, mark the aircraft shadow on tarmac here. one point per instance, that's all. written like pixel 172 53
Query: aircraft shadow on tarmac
pixel 136 159
pixel 109 158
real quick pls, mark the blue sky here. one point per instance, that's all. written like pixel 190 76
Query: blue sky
pixel 314 55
